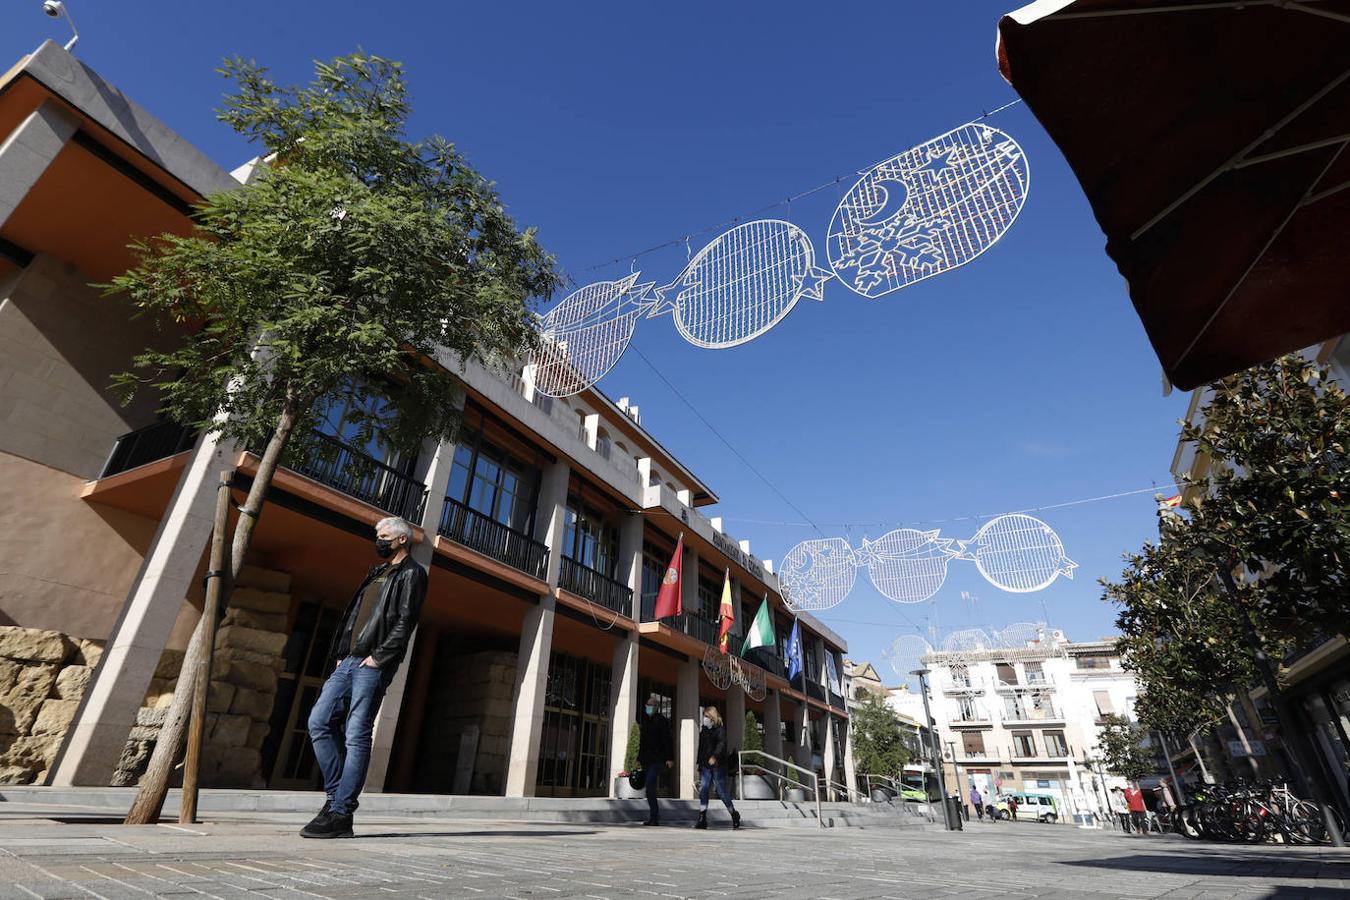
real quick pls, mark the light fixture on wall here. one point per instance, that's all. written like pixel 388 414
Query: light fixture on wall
pixel 55 9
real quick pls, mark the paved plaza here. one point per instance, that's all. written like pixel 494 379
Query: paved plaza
pixel 239 857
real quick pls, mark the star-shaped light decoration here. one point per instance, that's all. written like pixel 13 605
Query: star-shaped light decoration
pixel 938 163
pixel 812 283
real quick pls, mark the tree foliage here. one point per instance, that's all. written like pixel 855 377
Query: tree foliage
pixel 352 257
pixel 751 739
pixel 1267 504
pixel 1122 749
pixel 878 742
pixel 630 752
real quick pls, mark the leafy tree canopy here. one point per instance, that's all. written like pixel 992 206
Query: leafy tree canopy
pixel 352 258
pixel 1122 749
pixel 878 742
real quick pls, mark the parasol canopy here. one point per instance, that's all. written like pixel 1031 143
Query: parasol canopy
pixel 1210 138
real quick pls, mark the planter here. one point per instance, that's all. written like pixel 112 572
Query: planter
pixel 795 795
pixel 757 787
pixel 625 791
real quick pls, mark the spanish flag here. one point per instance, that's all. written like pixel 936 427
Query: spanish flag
pixel 1170 503
pixel 728 612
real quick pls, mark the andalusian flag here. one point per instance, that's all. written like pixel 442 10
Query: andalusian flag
pixel 760 633
pixel 728 613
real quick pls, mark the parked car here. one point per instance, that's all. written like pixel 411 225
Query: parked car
pixel 1041 807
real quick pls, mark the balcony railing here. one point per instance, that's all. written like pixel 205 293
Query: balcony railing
pixel 1048 714
pixel 1037 678
pixel 971 715
pixel 837 700
pixel 329 461
pixel 596 587
pixel 816 691
pixel 145 445
pixel 1035 753
pixel 487 536
pixel 690 623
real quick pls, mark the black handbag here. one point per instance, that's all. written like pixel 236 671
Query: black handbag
pixel 637 779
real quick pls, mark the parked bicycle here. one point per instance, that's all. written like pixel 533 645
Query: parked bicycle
pixel 1252 813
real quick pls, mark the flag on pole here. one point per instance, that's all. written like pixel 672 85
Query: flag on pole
pixel 728 612
pixel 760 633
pixel 668 600
pixel 1171 502
pixel 794 651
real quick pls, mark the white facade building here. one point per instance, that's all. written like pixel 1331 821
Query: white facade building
pixel 1027 719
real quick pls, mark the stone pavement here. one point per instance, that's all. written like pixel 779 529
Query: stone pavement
pixel 247 855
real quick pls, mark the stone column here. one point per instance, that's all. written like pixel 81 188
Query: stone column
pixel 828 720
pixel 686 728
pixel 735 717
pixel 536 640
pixel 624 676
pixel 99 732
pixel 773 723
pixel 29 150
pixel 850 769
pixel 382 741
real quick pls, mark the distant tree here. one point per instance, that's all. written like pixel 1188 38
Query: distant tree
pixel 630 753
pixel 1122 749
pixel 879 746
pixel 751 739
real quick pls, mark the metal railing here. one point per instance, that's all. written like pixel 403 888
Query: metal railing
pixel 1037 678
pixel 837 701
pixel 145 445
pixel 815 690
pixel 691 624
pixel 1049 714
pixel 834 787
pixel 330 462
pixel 586 582
pixel 781 778
pixel 483 534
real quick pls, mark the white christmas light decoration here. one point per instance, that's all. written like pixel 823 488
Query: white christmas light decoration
pixel 717 666
pixel 928 210
pixel 906 654
pixel 1015 553
pixel 920 213
pixel 1020 635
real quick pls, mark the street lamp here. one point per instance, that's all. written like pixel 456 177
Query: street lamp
pixel 933 747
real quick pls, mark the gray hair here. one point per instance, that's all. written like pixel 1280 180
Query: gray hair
pixel 397 525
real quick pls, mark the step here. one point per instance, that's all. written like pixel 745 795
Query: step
pixel 51 802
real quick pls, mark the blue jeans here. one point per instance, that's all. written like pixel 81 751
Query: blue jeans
pixel 706 775
pixel 359 689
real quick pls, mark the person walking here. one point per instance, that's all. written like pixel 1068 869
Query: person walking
pixel 1012 807
pixel 712 752
pixel 1134 801
pixel 368 646
pixel 1121 808
pixel 978 802
pixel 656 752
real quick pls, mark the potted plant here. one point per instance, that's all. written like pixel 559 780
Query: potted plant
pixel 623 788
pixel 754 787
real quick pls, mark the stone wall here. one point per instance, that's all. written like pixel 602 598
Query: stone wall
pixel 43 675
pixel 467 691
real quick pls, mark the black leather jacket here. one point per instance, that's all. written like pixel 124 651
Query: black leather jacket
pixel 655 747
pixel 712 743
pixel 386 634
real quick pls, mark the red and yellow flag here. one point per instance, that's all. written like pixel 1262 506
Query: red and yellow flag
pixel 728 612
pixel 668 600
pixel 1171 502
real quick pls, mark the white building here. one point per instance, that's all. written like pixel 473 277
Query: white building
pixel 1027 719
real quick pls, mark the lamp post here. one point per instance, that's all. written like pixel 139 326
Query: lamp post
pixel 933 748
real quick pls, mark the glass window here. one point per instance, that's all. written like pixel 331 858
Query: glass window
pixel 348 412
pixel 973 743
pixel 1024 744
pixel 1006 673
pixel 1103 701
pixel 1055 745
pixel 589 539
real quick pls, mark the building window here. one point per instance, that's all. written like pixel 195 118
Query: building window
pixel 1055 745
pixel 709 599
pixel 1024 744
pixel 973 743
pixel 490 481
pixel 1093 661
pixel 589 539
pixel 961 676
pixel 968 710
pixel 1034 673
pixel 1103 700
pixel 1006 673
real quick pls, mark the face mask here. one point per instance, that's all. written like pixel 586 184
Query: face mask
pixel 707 722
pixel 649 709
pixel 384 548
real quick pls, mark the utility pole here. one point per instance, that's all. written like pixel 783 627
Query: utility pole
pixel 933 747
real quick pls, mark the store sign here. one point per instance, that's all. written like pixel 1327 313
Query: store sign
pixel 733 552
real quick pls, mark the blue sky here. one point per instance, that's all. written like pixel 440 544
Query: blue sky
pixel 1021 380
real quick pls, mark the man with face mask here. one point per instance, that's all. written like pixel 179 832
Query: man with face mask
pixel 656 751
pixel 368 646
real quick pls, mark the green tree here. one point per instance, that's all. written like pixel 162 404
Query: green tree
pixel 878 742
pixel 356 265
pixel 1122 749
pixel 751 739
pixel 630 753
pixel 1269 505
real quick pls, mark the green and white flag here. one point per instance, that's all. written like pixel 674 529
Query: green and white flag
pixel 760 633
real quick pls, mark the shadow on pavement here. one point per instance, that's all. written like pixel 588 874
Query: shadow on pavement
pixel 484 833
pixel 1225 864
pixel 1293 892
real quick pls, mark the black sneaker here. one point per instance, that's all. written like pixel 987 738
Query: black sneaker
pixel 735 820
pixel 652 822
pixel 329 825
pixel 702 821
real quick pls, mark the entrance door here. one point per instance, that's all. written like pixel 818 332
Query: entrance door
pixel 287 753
pixel 574 740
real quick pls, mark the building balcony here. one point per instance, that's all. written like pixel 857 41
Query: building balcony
pixel 1037 679
pixel 483 534
pixel 964 686
pixel 1040 686
pixel 146 445
pixel 1032 716
pixel 1050 754
pixel 977 719
pixel 330 462
pixel 692 624
pixel 594 586
pixel 816 691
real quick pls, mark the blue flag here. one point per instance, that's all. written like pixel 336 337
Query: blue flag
pixel 794 652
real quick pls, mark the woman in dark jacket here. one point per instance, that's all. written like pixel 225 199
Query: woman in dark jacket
pixel 712 752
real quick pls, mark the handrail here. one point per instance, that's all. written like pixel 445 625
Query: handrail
pixel 815 780
pixel 848 792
